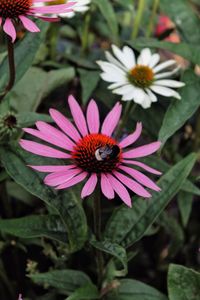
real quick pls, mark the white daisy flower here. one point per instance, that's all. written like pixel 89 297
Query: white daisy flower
pixel 139 79
pixel 79 6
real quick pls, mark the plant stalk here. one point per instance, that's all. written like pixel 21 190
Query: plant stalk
pixel 138 18
pixel 152 18
pixel 129 109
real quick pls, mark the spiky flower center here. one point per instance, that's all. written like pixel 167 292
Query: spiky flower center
pixel 96 153
pixel 14 8
pixel 141 76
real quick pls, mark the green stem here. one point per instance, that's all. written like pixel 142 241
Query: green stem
pixel 11 62
pixel 97 232
pixel 129 109
pixel 85 35
pixel 152 18
pixel 138 18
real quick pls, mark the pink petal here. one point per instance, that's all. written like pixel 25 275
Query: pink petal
pixel 89 187
pixel 42 150
pixel 52 9
pixel 65 125
pixel 141 165
pixel 143 179
pixel 93 117
pixel 142 151
pixel 106 187
pixel 78 115
pixel 120 190
pixel 130 139
pixel 56 134
pixel 111 120
pixel 52 169
pixel 58 178
pixel 0 21
pixel 73 181
pixel 10 29
pixel 28 24
pixel 132 185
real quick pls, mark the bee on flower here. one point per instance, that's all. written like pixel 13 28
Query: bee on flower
pixel 91 153
pixel 139 80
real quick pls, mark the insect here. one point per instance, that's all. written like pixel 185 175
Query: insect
pixel 107 152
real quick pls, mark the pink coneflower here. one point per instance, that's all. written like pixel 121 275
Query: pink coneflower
pixel 14 11
pixel 91 153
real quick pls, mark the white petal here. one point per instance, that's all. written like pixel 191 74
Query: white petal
pixel 114 61
pixel 165 91
pixel 144 57
pixel 151 95
pixel 155 58
pixel 164 65
pixel 124 57
pixel 130 55
pixel 126 89
pixel 169 83
pixel 166 74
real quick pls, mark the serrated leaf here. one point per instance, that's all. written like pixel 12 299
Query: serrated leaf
pixel 188 51
pixel 65 203
pixel 180 111
pixel 65 281
pixel 183 283
pixel 128 225
pixel 129 289
pixel 35 226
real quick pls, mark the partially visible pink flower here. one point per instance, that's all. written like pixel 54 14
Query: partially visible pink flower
pixel 20 297
pixel 14 11
pixel 91 153
pixel 164 24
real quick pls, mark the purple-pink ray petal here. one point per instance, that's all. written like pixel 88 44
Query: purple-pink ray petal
pixel 93 117
pixel 78 115
pixel 58 178
pixel 132 185
pixel 89 186
pixel 140 177
pixel 28 24
pixel 142 150
pixel 111 120
pixel 73 181
pixel 52 169
pixel 9 28
pixel 42 150
pixel 120 189
pixel 142 165
pixel 130 139
pixel 65 125
pixel 53 9
pixel 106 187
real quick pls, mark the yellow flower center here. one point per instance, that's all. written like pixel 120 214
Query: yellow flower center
pixel 14 8
pixel 141 76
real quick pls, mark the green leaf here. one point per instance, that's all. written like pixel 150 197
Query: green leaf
pixel 188 51
pixel 185 201
pixel 89 81
pixel 25 52
pixel 66 281
pixel 87 292
pixel 109 14
pixel 183 283
pixel 65 203
pixel 180 111
pixel 128 225
pixel 115 250
pixel 26 119
pixel 129 289
pixel 35 226
pixel 183 15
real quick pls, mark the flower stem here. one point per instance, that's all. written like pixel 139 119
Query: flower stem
pixel 85 35
pixel 129 109
pixel 97 232
pixel 152 18
pixel 11 61
pixel 138 18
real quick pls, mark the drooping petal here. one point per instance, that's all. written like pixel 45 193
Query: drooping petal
pixel 120 189
pixel 65 125
pixel 140 177
pixel 9 28
pixel 58 178
pixel 111 120
pixel 42 150
pixel 130 139
pixel 52 169
pixel 73 181
pixel 164 65
pixel 78 115
pixel 93 117
pixel 89 186
pixel 142 165
pixel 106 187
pixel 132 185
pixel 28 24
pixel 165 91
pixel 170 83
pixel 142 150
